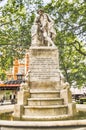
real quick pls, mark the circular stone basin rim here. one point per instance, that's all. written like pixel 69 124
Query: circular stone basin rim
pixel 43 123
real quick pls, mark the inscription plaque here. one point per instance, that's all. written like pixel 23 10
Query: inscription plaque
pixel 44 69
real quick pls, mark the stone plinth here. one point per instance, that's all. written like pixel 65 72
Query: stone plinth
pixel 44 68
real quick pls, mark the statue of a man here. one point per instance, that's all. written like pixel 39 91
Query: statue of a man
pixel 43 30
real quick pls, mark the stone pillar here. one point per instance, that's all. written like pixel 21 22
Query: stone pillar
pixel 72 109
pixel 22 99
pixel 67 96
pixel 18 111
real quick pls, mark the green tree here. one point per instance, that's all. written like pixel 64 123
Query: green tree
pixel 71 34
pixel 15 23
pixel 17 18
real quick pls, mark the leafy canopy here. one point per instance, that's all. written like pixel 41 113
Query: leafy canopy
pixel 16 19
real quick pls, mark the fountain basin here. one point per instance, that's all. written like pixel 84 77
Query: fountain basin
pixel 53 125
pixel 78 123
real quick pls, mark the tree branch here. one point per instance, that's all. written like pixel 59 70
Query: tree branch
pixel 79 48
pixel 8 22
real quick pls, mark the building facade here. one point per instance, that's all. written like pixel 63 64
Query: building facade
pixel 15 76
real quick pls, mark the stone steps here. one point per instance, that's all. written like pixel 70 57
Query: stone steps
pixel 45 101
pixel 43 94
pixel 51 110
pixel 45 118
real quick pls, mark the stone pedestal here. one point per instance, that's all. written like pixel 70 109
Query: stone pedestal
pixel 44 68
pixel 47 98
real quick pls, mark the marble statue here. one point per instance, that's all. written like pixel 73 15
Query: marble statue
pixel 42 31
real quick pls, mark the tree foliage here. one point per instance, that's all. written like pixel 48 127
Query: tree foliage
pixel 71 38
pixel 17 18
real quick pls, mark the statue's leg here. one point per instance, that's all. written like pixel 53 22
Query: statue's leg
pixel 47 38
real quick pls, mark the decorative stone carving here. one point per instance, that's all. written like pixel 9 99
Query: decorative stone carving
pixel 27 76
pixel 24 86
pixel 65 85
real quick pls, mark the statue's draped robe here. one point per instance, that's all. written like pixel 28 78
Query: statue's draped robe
pixel 42 31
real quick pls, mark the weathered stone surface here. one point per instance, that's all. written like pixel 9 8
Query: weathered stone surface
pixel 18 111
pixel 52 110
pixel 45 94
pixel 44 67
pixel 72 109
pixel 33 125
pixel 44 101
pixel 22 97
pixel 66 95
pixel 45 85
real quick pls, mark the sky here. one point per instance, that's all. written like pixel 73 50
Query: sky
pixel 3 2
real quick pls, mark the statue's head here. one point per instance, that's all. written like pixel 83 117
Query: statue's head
pixel 40 11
